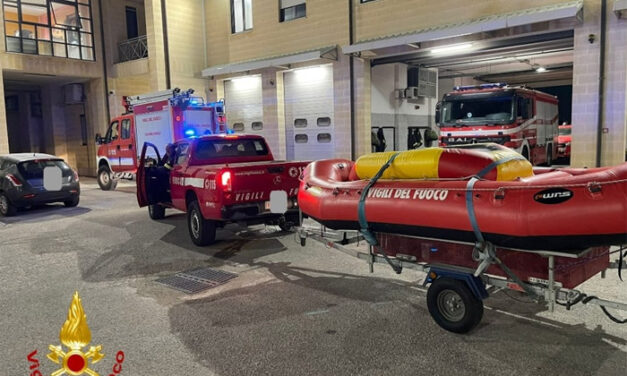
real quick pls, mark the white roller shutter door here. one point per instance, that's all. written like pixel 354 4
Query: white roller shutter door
pixel 244 104
pixel 309 120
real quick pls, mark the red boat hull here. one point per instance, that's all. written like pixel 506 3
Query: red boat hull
pixel 562 210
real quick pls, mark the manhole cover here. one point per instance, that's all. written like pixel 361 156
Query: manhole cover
pixel 197 280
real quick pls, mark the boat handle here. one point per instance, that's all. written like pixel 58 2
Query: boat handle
pixel 594 187
pixel 499 194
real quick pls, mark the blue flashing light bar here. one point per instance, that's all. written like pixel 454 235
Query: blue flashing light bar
pixel 190 132
pixel 230 131
pixel 482 86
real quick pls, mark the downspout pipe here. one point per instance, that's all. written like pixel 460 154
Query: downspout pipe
pixel 104 62
pixel 166 47
pixel 600 117
pixel 352 82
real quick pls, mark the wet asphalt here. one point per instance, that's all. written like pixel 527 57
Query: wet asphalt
pixel 291 310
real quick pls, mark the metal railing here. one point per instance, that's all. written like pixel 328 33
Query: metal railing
pixel 133 49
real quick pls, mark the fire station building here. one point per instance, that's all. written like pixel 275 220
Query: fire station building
pixel 317 78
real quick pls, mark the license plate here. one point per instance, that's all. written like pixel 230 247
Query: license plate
pixel 278 202
pixel 53 178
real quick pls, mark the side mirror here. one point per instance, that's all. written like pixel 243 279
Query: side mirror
pixel 98 139
pixel 437 113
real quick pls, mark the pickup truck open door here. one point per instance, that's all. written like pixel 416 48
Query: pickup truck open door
pixel 147 177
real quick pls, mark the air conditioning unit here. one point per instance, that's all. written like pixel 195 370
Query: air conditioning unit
pixel 411 92
pixel 424 79
pixel 399 94
pixel 73 93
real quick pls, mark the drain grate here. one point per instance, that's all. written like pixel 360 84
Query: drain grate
pixel 197 280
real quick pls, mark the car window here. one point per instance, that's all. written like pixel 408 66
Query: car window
pixel 5 164
pixel 181 153
pixel 35 169
pixel 112 133
pixel 125 132
pixel 208 149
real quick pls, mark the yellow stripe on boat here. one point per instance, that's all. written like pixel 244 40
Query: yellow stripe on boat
pixel 411 164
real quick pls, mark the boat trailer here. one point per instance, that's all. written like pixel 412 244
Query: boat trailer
pixel 455 293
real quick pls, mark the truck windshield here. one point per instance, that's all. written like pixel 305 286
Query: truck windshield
pixel 227 148
pixel 476 109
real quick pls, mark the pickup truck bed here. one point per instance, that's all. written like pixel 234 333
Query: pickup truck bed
pixel 221 179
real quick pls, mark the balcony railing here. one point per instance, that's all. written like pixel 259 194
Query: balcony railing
pixel 133 49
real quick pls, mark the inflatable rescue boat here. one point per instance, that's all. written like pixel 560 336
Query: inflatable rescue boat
pixel 482 192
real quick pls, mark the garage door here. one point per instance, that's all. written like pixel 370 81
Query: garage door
pixel 244 104
pixel 309 121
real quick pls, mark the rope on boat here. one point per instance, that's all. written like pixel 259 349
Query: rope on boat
pixel 361 211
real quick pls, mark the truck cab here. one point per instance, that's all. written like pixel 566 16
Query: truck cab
pixel 520 118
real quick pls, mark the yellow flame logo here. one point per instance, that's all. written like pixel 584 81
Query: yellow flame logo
pixel 75 335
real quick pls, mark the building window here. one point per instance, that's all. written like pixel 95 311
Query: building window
pixel 132 29
pixel 60 28
pixel 241 15
pixel 292 9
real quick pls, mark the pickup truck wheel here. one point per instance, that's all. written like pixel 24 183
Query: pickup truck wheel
pixel 105 180
pixel 201 230
pixel 156 211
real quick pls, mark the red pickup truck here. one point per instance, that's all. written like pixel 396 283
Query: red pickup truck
pixel 219 179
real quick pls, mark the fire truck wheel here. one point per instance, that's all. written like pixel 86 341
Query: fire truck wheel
pixel 525 153
pixel 201 230
pixel 156 211
pixel 105 180
pixel 453 306
pixel 549 157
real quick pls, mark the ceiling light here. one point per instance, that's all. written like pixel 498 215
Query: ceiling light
pixel 451 49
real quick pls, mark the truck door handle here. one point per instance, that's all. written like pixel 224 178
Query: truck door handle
pixel 130 147
pixel 117 147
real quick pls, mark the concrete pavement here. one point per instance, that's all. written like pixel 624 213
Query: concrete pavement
pixel 290 311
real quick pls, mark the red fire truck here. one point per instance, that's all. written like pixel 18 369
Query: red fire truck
pixel 159 118
pixel 517 117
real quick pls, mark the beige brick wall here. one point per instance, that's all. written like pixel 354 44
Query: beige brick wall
pixel 186 38
pixel 387 17
pixel 326 24
pixel 115 27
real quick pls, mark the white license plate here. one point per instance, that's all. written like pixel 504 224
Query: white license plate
pixel 278 202
pixel 53 178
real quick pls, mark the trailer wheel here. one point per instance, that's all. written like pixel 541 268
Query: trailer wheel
pixel 105 180
pixel 201 230
pixel 156 211
pixel 453 306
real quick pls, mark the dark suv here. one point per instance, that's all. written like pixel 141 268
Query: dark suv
pixel 22 182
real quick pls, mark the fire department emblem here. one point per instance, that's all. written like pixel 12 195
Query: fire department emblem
pixel 75 335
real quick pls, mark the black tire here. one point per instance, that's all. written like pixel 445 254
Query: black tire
pixel 453 306
pixel 156 211
pixel 105 180
pixel 201 230
pixel 549 156
pixel 7 209
pixel 72 202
